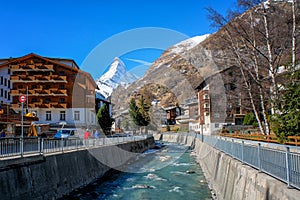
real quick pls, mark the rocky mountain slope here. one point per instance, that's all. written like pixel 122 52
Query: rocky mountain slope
pixel 173 77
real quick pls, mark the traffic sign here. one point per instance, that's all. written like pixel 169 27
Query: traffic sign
pixel 22 98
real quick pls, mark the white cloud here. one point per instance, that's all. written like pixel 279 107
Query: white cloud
pixel 143 62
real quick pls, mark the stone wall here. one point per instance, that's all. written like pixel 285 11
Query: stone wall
pixel 230 179
pixel 52 176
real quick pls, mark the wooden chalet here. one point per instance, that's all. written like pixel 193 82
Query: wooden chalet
pixel 56 89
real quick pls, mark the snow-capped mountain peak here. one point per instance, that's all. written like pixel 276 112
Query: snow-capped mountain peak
pixel 116 70
pixel 116 75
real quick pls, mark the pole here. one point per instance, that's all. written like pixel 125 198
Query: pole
pixel 27 99
pixel 201 132
pixel 22 129
pixel 287 163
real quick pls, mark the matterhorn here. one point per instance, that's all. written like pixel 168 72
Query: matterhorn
pixel 115 76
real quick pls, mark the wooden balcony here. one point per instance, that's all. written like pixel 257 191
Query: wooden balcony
pixel 35 105
pixel 31 67
pixel 17 92
pixel 48 67
pixel 14 78
pixel 58 78
pixel 63 91
pixel 54 105
pixel 63 105
pixel 14 67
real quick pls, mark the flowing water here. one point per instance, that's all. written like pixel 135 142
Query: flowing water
pixel 168 173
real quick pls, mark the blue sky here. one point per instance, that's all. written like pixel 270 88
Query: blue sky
pixel 73 28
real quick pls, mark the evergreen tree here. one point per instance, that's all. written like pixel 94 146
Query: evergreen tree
pixel 104 119
pixel 286 121
pixel 139 114
pixel 144 111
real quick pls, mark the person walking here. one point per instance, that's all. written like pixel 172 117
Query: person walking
pixel 2 134
pixel 86 136
pixel 96 134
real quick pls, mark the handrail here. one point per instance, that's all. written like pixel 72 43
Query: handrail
pixel 291 140
pixel 280 163
pixel 17 146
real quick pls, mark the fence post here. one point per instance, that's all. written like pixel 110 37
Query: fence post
pixel 243 151
pixel 232 154
pixel 287 163
pixel 42 146
pixel 62 144
pixel 202 138
pixel 22 146
pixel 259 156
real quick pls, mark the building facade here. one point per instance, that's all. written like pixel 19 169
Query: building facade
pixel 223 100
pixel 57 90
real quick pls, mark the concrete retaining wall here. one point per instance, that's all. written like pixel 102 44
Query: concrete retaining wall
pixel 52 176
pixel 231 179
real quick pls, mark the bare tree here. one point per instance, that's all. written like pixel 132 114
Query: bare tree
pixel 219 21
pixel 255 38
pixel 294 7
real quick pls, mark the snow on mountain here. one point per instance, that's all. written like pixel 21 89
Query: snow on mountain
pixel 115 76
pixel 188 44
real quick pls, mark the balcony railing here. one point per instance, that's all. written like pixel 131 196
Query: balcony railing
pixel 38 78
pixel 32 67
pixel 40 92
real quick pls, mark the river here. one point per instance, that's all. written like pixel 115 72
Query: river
pixel 167 173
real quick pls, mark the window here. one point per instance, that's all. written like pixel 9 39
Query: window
pixel 8 98
pixel 47 87
pixel 61 86
pixel 47 100
pixel 8 84
pixel 61 73
pixel 48 115
pixel 61 100
pixel 1 80
pixel 5 82
pixel 34 100
pixel 77 115
pixel 8 71
pixel 1 92
pixel 33 87
pixel 216 115
pixel 62 115
pixel 5 94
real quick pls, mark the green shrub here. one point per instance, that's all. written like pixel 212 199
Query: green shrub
pixel 250 119
pixel 168 127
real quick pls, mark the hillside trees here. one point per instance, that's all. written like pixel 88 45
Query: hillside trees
pixel 258 42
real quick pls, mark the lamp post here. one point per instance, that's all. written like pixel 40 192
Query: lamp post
pixel 22 99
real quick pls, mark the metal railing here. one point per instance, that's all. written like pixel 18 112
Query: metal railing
pixel 16 146
pixel 281 164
